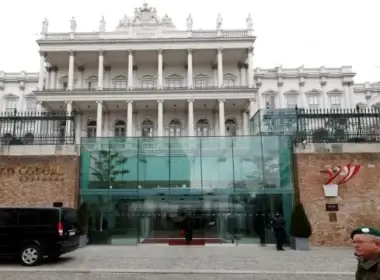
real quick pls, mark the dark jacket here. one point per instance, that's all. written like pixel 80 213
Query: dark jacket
pixel 368 270
pixel 278 223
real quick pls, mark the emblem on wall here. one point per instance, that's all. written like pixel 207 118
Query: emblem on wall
pixel 338 176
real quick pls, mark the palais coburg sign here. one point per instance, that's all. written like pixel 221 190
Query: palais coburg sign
pixel 34 172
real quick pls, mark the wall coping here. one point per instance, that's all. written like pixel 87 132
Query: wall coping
pixel 353 148
pixel 40 150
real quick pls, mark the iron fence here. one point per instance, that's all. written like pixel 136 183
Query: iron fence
pixel 337 125
pixel 36 128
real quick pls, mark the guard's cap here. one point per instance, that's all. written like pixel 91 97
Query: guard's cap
pixel 365 230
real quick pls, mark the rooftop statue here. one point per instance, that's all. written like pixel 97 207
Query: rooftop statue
pixel 219 22
pixel 102 25
pixel 189 22
pixel 73 25
pixel 249 22
pixel 45 26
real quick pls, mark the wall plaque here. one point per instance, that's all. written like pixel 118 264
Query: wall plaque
pixel 332 207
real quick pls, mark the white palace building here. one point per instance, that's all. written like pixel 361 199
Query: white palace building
pixel 147 78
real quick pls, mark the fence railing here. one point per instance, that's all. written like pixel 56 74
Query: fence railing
pixel 36 128
pixel 320 125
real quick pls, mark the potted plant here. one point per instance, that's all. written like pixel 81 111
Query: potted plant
pixel 83 224
pixel 300 229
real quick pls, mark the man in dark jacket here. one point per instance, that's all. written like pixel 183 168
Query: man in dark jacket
pixel 367 250
pixel 279 231
pixel 187 226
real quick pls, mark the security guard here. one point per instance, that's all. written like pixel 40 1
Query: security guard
pixel 367 249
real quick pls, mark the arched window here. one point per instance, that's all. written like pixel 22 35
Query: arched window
pixel 147 128
pixel 7 138
pixel 231 127
pixel 91 129
pixel 175 128
pixel 119 129
pixel 28 139
pixel 203 127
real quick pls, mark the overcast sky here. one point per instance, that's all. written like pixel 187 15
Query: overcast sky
pixel 290 33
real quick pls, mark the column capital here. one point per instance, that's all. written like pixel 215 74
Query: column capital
pixel 99 102
pixel 129 101
pixel 253 99
pixel 301 84
pixel 42 53
pixel 190 100
pixel 72 53
pixel 81 68
pixel 38 102
pixel 221 100
pixel 54 68
pixel 101 52
pixel 160 51
pixel 251 49
pixel 219 50
pixel 190 51
pixel 68 102
pixel 130 52
pixel 160 101
pixel 323 83
pixel 214 66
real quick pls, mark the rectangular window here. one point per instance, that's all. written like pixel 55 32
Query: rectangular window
pixel 30 105
pixel 270 102
pixel 313 101
pixel 92 85
pixel 11 105
pixel 291 101
pixel 147 84
pixel 174 83
pixel 229 83
pixel 336 101
pixel 120 84
pixel 119 132
pixel 200 83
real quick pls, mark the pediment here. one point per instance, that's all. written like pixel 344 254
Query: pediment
pixel 313 91
pixel 292 92
pixel 270 92
pixel 11 96
pixel 92 78
pixel 335 91
pixel 174 77
pixel 229 75
pixel 147 77
pixel 120 78
pixel 201 76
pixel 30 95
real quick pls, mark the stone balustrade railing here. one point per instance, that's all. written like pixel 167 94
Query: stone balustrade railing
pixel 151 34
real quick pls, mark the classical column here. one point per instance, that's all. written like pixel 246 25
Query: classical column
pixel 129 118
pixel 69 109
pixel 325 103
pixel 47 78
pixel 101 70
pixel 302 93
pixel 99 118
pixel 70 85
pixel 252 107
pixel 190 115
pixel 245 122
pixel 190 68
pixel 250 68
pixel 220 67
pixel 214 69
pixel 53 77
pixel 347 94
pixel 243 74
pixel 160 117
pixel 41 76
pixel 81 77
pixel 222 126
pixel 130 69
pixel 160 69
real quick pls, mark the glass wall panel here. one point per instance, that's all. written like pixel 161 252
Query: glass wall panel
pixel 140 189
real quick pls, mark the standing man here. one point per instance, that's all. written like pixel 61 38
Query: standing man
pixel 279 231
pixel 367 250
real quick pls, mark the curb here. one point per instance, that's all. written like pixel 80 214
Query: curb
pixel 171 271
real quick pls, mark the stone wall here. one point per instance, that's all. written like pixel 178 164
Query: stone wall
pixel 39 180
pixel 358 200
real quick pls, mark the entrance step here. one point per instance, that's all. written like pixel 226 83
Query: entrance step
pixel 182 241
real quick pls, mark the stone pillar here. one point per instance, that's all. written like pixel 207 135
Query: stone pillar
pixel 69 109
pixel 245 122
pixel 130 69
pixel 160 69
pixel 302 93
pixel 190 115
pixel 190 68
pixel 243 75
pixel 250 77
pixel 47 78
pixel 129 118
pixel 160 117
pixel 214 69
pixel 252 108
pixel 70 85
pixel 220 67
pixel 325 103
pixel 222 126
pixel 53 77
pixel 101 70
pixel 347 95
pixel 99 118
pixel 41 76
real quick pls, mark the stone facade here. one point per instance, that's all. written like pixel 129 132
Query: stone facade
pixel 358 200
pixel 39 180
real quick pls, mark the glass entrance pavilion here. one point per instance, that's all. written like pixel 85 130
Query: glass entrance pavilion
pixel 139 189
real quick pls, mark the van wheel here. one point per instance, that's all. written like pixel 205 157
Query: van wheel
pixel 30 255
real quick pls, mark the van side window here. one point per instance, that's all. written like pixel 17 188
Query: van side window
pixel 8 217
pixel 31 217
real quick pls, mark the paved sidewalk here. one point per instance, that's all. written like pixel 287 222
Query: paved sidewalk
pixel 164 260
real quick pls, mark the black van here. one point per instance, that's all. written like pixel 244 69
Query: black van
pixel 31 233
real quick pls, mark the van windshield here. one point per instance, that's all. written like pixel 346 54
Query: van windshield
pixel 69 219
